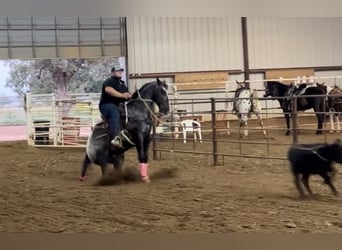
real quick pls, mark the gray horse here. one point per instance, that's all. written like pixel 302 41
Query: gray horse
pixel 137 121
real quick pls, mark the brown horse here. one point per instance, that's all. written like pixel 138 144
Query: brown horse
pixel 333 104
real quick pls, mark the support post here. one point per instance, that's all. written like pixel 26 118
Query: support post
pixel 213 125
pixel 245 48
pixel 294 116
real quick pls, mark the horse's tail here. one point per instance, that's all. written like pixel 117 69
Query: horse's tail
pixel 88 158
pixel 84 167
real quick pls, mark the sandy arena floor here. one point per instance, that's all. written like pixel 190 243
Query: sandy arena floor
pixel 40 192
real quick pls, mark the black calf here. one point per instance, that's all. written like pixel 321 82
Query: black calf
pixel 309 159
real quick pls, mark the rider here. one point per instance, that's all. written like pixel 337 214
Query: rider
pixel 114 92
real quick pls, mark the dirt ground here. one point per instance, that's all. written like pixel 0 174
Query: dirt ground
pixel 40 192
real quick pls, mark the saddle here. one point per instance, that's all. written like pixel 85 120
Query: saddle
pixel 296 91
pixel 104 123
pixel 124 134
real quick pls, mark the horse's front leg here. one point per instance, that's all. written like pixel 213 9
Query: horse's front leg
pixel 142 150
pixel 320 117
pixel 287 119
pixel 243 118
pixel 258 115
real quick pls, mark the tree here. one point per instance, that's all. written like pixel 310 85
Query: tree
pixel 58 76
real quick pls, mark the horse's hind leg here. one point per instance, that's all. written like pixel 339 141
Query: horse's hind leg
pixel 84 168
pixel 305 180
pixel 118 161
pixel 331 119
pixel 102 160
pixel 327 181
pixel 337 120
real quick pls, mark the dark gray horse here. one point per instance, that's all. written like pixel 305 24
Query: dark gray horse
pixel 280 90
pixel 137 119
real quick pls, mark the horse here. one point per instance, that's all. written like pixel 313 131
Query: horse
pixel 137 121
pixel 333 104
pixel 283 94
pixel 246 102
pixel 309 159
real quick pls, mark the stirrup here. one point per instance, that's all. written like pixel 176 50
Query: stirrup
pixel 117 142
pixel 125 137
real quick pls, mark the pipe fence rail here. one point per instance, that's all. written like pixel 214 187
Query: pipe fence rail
pixel 221 139
pixel 67 122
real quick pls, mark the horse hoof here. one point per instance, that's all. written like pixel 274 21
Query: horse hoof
pixel 146 179
pixel 83 178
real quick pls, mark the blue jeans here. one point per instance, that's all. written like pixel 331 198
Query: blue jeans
pixel 111 113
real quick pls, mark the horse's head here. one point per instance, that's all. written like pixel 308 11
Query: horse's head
pixel 322 87
pixel 160 97
pixel 157 93
pixel 336 90
pixel 335 97
pixel 272 89
pixel 241 85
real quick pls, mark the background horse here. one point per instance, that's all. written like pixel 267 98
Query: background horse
pixel 137 119
pixel 280 90
pixel 246 102
pixel 333 104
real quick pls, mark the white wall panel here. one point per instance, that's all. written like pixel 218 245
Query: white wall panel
pixel 294 42
pixel 176 44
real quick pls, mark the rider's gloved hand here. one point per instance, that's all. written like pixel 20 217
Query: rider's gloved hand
pixel 126 95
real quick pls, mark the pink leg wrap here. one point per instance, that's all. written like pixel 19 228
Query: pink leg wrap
pixel 143 171
pixel 83 178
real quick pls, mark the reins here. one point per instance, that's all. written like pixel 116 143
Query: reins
pixel 148 108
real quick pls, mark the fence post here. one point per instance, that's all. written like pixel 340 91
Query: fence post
pixel 154 146
pixel 294 117
pixel 29 120
pixel 213 125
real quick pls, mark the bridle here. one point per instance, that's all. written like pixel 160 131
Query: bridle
pixel 147 107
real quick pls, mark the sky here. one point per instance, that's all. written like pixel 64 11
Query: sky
pixel 4 71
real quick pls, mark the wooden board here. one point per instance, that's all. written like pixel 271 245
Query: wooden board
pixel 289 73
pixel 198 118
pixel 201 81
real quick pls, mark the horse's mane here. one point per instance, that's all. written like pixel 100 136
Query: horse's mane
pixel 135 94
